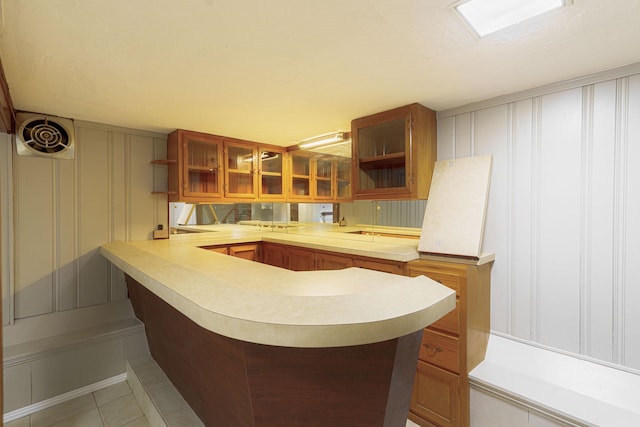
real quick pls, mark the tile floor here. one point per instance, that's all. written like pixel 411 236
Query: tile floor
pixel 114 406
pixel 146 392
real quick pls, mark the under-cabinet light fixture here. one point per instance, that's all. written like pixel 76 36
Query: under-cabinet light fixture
pixel 323 140
pixel 489 16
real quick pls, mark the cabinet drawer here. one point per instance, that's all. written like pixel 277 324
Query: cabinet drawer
pixel 448 280
pixel 450 322
pixel 440 350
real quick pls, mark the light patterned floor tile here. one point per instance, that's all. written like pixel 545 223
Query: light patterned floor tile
pixel 121 411
pixel 20 422
pixel 113 392
pixel 63 411
pixel 140 422
pixel 86 419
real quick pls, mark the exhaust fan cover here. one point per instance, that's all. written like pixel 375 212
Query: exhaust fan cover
pixel 45 136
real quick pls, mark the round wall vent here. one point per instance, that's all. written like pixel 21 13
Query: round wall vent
pixel 45 136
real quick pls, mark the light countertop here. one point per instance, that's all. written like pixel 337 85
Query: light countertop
pixel 263 304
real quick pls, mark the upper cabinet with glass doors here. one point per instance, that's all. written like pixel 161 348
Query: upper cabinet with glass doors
pixel 319 177
pixel 271 178
pixel 196 174
pixel 241 170
pixel 206 168
pixel 394 153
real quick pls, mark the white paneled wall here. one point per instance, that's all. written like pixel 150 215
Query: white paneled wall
pixel 63 210
pixel 562 214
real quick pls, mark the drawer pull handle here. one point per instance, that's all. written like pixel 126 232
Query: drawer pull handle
pixel 434 350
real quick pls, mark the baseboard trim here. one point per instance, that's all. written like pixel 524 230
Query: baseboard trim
pixel 39 406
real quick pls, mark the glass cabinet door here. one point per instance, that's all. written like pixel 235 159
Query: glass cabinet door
pixel 394 152
pixel 323 181
pixel 271 173
pixel 343 178
pixel 202 173
pixel 240 172
pixel 382 155
pixel 300 175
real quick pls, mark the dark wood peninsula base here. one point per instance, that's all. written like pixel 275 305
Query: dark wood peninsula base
pixel 229 382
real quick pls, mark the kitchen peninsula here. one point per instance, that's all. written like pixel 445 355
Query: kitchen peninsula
pixel 252 344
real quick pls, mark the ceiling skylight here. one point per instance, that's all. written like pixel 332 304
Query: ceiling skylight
pixel 489 16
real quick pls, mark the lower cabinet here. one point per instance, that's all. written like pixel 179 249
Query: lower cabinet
pixel 250 251
pixel 380 265
pixel 303 259
pixel 327 261
pixel 300 259
pixel 436 396
pixel 452 346
pixel 274 254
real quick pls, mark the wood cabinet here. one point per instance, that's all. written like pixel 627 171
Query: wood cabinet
pixel 204 168
pixel 319 177
pixel 195 168
pixel 271 173
pixel 249 251
pixel 300 259
pixel 386 266
pixel 343 178
pixel 452 346
pixel 246 251
pixel 240 159
pixel 274 254
pixel 300 175
pixel 289 257
pixel 304 259
pixel 332 261
pixel 394 153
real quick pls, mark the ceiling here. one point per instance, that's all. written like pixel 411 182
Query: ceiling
pixel 282 70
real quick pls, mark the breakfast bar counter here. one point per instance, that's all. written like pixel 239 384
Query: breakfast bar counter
pixel 251 344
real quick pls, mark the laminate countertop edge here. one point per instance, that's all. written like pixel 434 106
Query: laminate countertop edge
pixel 259 303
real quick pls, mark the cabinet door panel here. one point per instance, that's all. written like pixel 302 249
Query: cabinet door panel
pixel 301 259
pixel 250 252
pixel 436 395
pixel 271 173
pixel 394 153
pixel 240 173
pixel 194 166
pixel 219 249
pixel 326 261
pixel 394 268
pixel 274 254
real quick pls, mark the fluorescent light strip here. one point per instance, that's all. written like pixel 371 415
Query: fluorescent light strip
pixel 321 140
pixel 489 16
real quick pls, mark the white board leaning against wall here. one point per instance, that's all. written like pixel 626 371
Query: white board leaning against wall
pixel 456 209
